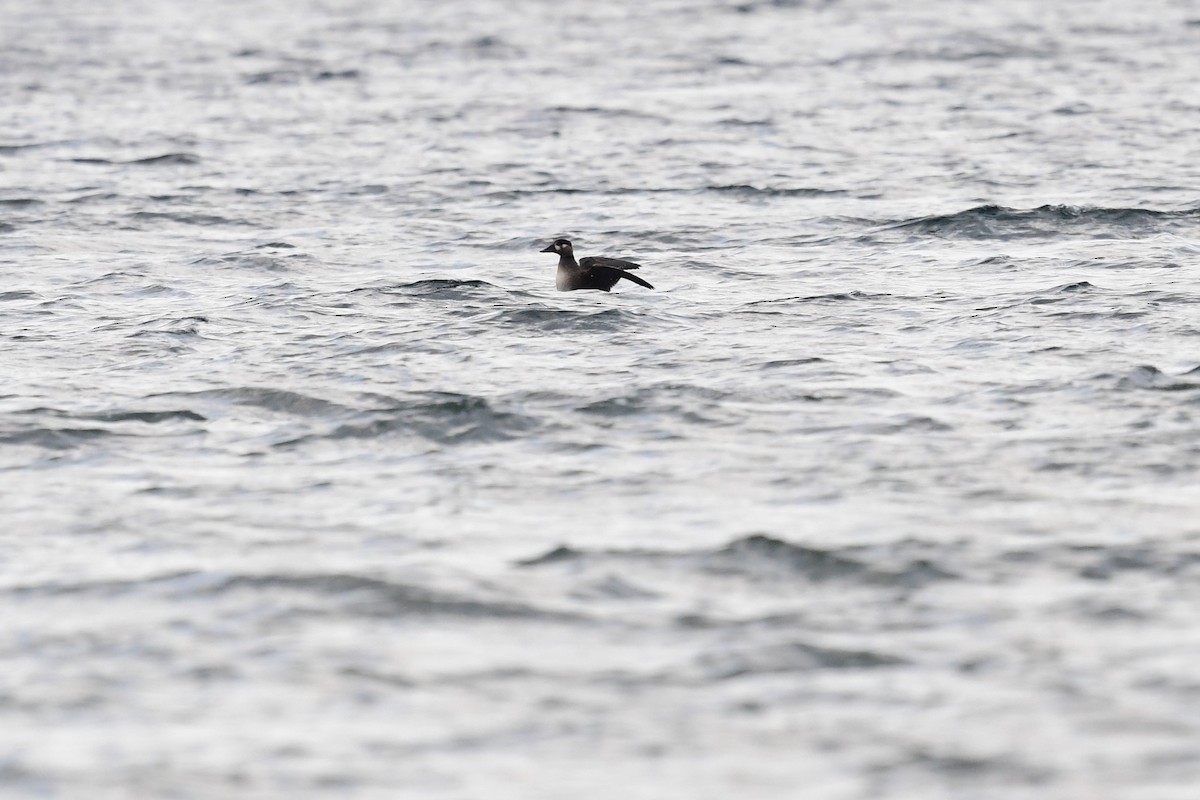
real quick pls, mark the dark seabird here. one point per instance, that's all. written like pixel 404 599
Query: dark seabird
pixel 593 272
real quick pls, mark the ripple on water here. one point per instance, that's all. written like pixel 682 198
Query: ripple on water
pixel 1048 221
pixel 1151 377
pixel 757 558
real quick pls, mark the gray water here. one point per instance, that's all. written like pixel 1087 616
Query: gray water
pixel 313 486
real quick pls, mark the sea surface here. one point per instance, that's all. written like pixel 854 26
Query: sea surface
pixel 312 486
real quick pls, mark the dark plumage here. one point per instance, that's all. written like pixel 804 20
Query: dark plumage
pixel 593 272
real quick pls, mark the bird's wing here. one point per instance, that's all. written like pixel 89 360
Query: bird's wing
pixel 629 276
pixel 614 274
pixel 601 261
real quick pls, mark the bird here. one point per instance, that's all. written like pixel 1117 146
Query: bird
pixel 593 272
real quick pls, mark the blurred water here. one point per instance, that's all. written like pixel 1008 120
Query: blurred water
pixel 313 486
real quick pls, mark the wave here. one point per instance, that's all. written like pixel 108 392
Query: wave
pixel 93 197
pixel 792 362
pixel 282 400
pixel 150 417
pixel 187 219
pixel 288 77
pixel 790 657
pixel 444 418
pixel 760 557
pixel 1151 377
pixel 1000 222
pixel 833 297
pixel 168 326
pixel 166 159
pixel 741 190
pixel 687 402
pixel 118 416
pixel 13 149
pixel 54 438
pixel 255 260
pixel 608 320
pixel 746 190
pixel 352 594
pixel 447 288
pixel 59 430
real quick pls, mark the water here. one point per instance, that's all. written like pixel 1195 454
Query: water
pixel 313 486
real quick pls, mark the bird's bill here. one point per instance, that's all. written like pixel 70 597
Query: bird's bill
pixel 549 249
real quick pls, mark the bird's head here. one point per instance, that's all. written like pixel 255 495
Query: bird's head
pixel 560 246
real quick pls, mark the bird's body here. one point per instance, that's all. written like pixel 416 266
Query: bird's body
pixel 593 272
